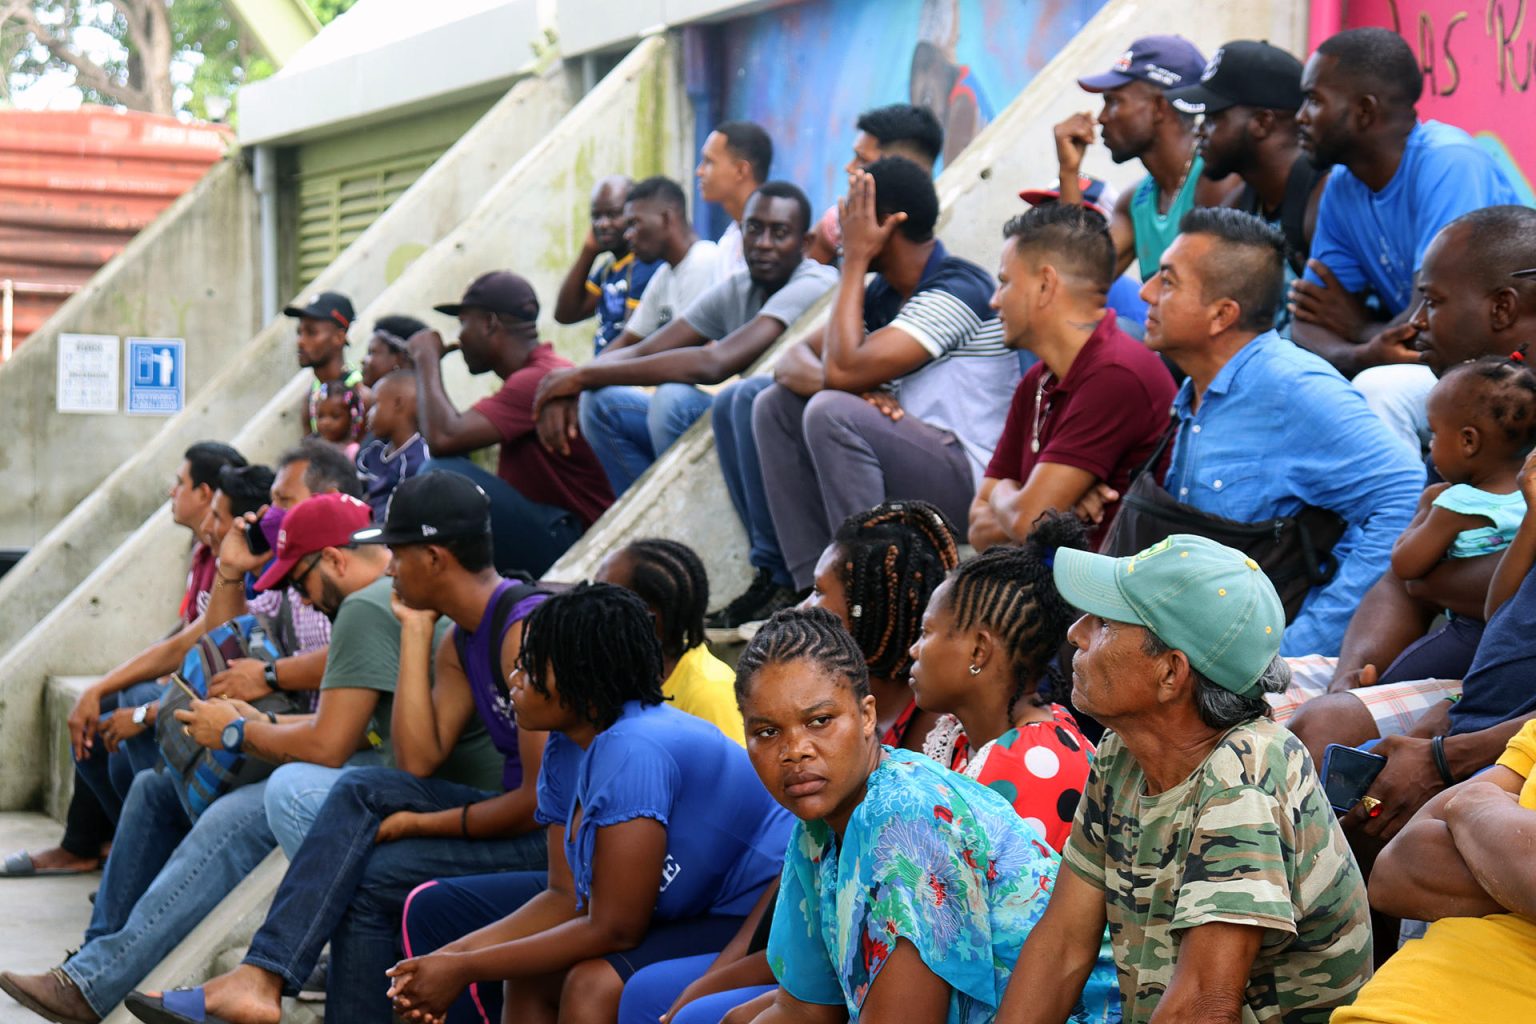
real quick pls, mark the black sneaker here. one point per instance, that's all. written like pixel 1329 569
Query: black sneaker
pixel 761 599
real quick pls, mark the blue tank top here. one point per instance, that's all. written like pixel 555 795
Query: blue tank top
pixel 489 687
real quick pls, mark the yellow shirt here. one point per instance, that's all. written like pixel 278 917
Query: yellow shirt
pixel 1471 970
pixel 705 686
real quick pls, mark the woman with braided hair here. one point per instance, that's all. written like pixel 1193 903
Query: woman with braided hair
pixel 876 576
pixel 988 638
pixel 908 890
pixel 646 861
pixel 670 579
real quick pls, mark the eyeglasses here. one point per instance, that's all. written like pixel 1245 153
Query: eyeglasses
pixel 297 582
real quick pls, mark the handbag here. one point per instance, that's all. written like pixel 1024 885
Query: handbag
pixel 1295 552
pixel 204 775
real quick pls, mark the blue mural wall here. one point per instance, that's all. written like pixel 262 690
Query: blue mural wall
pixel 805 71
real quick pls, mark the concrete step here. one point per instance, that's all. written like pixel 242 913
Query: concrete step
pixel 43 916
pixel 58 701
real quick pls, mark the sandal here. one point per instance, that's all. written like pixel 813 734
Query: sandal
pixel 174 1006
pixel 21 865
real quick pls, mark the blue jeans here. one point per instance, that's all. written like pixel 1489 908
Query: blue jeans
pixel 629 429
pixel 344 888
pixel 651 991
pixel 164 876
pixel 527 536
pixel 731 420
pixel 109 776
pixel 440 912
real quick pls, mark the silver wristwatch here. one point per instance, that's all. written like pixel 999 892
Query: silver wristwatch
pixel 140 713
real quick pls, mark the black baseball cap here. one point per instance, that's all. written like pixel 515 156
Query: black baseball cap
pixel 431 508
pixel 1245 73
pixel 1165 61
pixel 499 291
pixel 332 306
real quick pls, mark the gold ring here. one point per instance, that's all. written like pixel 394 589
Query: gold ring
pixel 1370 804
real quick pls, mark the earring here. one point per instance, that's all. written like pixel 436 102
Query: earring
pixel 975 670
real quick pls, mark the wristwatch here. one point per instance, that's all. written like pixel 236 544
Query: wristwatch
pixel 140 713
pixel 233 736
pixel 269 673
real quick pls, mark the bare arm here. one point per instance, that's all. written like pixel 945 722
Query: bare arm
pixel 1422 875
pixel 786 1009
pixel 575 301
pixel 985 530
pixel 328 737
pixel 1518 559
pixel 710 362
pixel 799 367
pixel 1058 956
pixel 447 430
pixel 505 814
pixel 1424 544
pixel 426 720
pixel 906 989
pixel 1211 975
pixel 1497 839
pixel 1051 485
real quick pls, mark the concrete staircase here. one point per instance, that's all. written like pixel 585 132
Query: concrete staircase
pixel 681 496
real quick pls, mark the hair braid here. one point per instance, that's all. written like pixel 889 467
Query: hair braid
pixel 891 558
pixel 599 642
pixel 670 577
pixel 1011 592
pixel 814 634
pixel 1508 396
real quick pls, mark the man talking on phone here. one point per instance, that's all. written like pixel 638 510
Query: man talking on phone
pixel 1202 837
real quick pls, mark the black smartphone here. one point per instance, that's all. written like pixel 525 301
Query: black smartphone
pixel 1347 774
pixel 255 539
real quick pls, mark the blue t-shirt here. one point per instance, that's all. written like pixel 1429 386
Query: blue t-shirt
pixel 725 834
pixel 1501 684
pixel 383 470
pixel 618 285
pixel 1376 240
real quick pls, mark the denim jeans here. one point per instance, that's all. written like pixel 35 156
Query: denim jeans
pixel 629 429
pixel 164 876
pixel 731 420
pixel 443 911
pixel 527 536
pixel 344 888
pixel 109 776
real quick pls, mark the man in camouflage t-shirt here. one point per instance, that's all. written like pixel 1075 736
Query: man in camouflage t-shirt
pixel 1203 836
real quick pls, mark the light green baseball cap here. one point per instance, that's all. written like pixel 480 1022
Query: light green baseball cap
pixel 1210 601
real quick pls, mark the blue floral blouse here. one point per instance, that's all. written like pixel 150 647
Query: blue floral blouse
pixel 932 857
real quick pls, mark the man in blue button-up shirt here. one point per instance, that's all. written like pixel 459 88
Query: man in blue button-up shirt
pixel 1266 428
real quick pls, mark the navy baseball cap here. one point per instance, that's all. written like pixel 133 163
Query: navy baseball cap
pixel 1165 61
pixel 1098 195
pixel 1244 73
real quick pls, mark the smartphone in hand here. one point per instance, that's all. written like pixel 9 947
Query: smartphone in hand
pixel 1347 775
pixel 255 539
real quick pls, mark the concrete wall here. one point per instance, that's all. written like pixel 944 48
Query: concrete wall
pixel 247 376
pixel 190 274
pixel 533 219
pixel 683 495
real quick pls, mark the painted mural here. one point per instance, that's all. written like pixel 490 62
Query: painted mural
pixel 1479 61
pixel 805 72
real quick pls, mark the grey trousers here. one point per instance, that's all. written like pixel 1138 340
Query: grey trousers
pixel 833 455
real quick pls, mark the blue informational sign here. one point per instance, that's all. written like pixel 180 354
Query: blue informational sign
pixel 156 376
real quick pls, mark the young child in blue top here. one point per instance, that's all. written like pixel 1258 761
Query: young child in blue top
pixel 397 450
pixel 908 890
pixel 660 837
pixel 1483 416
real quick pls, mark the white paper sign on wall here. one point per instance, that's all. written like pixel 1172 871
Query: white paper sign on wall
pixel 88 373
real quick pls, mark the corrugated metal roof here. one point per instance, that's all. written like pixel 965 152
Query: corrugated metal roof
pixel 76 186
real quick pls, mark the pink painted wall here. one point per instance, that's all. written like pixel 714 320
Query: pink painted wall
pixel 1479 61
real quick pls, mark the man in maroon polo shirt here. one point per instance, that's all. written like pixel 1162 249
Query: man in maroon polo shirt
pixel 1096 405
pixel 541 502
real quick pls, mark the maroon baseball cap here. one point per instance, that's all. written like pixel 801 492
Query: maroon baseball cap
pixel 323 521
pixel 1098 195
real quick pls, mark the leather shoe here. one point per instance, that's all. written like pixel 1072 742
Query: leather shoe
pixel 52 995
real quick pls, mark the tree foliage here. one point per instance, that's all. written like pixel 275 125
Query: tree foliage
pixel 161 56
